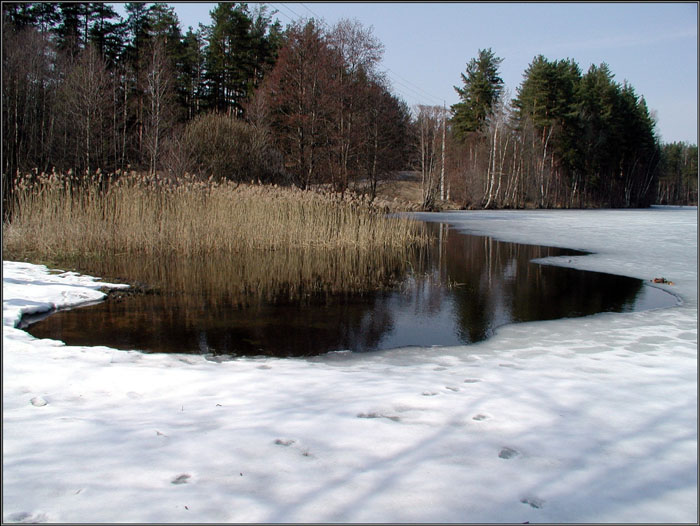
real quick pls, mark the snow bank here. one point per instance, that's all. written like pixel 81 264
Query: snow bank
pixel 582 420
pixel 31 289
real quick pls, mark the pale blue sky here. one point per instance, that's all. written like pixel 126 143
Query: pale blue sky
pixel 654 46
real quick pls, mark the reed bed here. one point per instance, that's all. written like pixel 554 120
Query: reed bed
pixel 62 216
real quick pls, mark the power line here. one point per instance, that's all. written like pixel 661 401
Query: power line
pixel 414 91
pixel 291 10
pixel 310 11
pixel 395 78
pixel 416 87
pixel 281 12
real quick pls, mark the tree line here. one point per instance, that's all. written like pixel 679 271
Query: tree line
pixel 567 139
pixel 243 98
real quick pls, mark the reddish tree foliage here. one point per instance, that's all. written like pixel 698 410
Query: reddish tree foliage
pixel 300 93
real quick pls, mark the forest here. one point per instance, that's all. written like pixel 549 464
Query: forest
pixel 244 99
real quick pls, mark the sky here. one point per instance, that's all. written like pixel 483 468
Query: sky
pixel 653 46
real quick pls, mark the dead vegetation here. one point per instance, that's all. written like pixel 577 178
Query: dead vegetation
pixel 63 215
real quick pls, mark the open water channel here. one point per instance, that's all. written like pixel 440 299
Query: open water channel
pixel 456 292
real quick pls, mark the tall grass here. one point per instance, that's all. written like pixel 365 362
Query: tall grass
pixel 61 216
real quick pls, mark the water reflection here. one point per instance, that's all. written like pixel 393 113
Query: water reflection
pixel 300 303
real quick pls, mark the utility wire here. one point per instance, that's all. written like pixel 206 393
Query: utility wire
pixel 280 12
pixel 416 87
pixel 310 11
pixel 291 10
pixel 395 78
pixel 415 93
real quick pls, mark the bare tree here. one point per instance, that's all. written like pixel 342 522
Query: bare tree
pixel 429 127
pixel 360 52
pixel 85 97
pixel 159 101
pixel 28 95
pixel 300 90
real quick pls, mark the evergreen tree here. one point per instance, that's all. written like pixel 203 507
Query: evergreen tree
pixel 547 98
pixel 163 23
pixel 191 72
pixel 45 15
pixel 68 32
pixel 678 180
pixel 17 15
pixel 229 60
pixel 481 90
pixel 138 27
pixel 547 93
pixel 266 39
pixel 596 96
pixel 107 33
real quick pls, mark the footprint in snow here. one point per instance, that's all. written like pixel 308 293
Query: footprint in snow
pixel 378 415
pixel 429 393
pixel 508 453
pixel 452 388
pixel 181 479
pixel 25 517
pixel 288 442
pixel 471 380
pixel 480 417
pixel 534 502
pixel 38 401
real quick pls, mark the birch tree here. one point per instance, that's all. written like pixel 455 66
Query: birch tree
pixel 159 100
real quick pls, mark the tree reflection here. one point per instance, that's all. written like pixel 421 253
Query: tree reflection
pixel 305 302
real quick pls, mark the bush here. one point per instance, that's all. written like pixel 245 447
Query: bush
pixel 224 147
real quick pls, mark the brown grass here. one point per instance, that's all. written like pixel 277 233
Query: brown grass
pixel 61 216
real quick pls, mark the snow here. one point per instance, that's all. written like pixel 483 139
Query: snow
pixel 579 420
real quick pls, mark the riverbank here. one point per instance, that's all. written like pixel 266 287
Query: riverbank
pixel 579 420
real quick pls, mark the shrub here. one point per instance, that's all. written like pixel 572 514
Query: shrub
pixel 224 147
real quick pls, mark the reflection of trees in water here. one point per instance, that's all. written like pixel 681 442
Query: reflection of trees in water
pixel 252 277
pixel 293 302
pixel 496 283
pixel 308 302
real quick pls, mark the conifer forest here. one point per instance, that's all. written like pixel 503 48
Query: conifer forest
pixel 85 91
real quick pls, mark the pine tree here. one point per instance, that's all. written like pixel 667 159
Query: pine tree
pixel 68 31
pixel 45 15
pixel 108 33
pixel 547 93
pixel 479 94
pixel 266 39
pixel 17 15
pixel 229 64
pixel 163 23
pixel 191 72
pixel 138 26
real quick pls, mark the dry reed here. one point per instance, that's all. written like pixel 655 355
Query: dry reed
pixel 59 216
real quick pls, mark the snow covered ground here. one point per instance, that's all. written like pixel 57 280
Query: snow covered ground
pixel 583 420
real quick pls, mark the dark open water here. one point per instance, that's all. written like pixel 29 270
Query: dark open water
pixel 457 292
